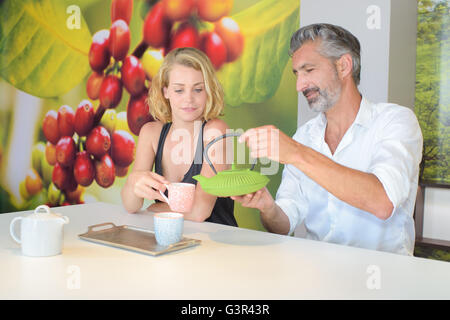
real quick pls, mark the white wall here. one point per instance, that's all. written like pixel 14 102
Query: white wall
pixel 436 221
pixel 370 22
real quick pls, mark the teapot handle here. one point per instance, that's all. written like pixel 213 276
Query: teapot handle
pixel 226 135
pixel 11 229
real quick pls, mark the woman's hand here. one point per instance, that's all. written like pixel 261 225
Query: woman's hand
pixel 147 184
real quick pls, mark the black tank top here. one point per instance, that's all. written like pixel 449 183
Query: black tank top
pixel 223 211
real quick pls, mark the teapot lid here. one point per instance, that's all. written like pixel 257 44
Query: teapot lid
pixel 43 212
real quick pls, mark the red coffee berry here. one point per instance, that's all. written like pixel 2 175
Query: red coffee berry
pixel 121 9
pixel 122 148
pixel 156 27
pixel 50 127
pixel 120 171
pixel 178 10
pixel 71 184
pixel 61 176
pixel 84 169
pixel 138 113
pixel 99 56
pixel 98 142
pixel 104 171
pixel 66 119
pixel 93 85
pixel 110 92
pixel 229 31
pixel 185 36
pixel 84 118
pixel 133 75
pixel 119 39
pixel 215 49
pixel 65 151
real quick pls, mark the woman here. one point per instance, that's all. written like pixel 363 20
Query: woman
pixel 186 100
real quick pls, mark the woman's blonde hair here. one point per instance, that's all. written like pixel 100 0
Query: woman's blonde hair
pixel 193 58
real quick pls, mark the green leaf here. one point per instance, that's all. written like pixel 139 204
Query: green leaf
pixel 267 27
pixel 39 54
pixel 6 204
pixel 83 4
pixel 36 200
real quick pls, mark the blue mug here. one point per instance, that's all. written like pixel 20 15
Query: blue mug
pixel 168 227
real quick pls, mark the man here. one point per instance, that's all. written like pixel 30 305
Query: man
pixel 350 173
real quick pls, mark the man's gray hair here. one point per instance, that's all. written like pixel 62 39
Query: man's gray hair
pixel 335 41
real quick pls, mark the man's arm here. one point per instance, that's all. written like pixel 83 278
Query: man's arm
pixel 272 216
pixel 359 189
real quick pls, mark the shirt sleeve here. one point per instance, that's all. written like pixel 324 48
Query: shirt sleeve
pixel 290 197
pixel 397 155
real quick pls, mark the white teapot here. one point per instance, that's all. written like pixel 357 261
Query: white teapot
pixel 41 232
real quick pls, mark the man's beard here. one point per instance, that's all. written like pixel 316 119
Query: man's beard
pixel 325 99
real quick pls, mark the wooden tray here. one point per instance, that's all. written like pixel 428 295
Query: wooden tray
pixel 132 238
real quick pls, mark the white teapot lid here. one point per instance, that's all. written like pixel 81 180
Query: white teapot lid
pixel 43 212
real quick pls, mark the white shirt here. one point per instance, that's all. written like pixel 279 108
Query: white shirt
pixel 386 140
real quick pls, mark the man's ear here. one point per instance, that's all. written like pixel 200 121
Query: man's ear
pixel 344 65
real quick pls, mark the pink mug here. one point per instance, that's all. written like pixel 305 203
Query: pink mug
pixel 181 196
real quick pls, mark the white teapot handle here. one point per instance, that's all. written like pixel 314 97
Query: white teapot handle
pixel 11 229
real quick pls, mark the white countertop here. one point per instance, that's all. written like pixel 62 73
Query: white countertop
pixel 230 263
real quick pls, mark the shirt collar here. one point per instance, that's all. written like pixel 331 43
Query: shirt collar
pixel 364 116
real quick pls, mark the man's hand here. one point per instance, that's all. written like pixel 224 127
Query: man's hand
pixel 272 217
pixel 261 200
pixel 270 142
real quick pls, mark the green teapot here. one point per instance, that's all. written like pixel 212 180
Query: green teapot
pixel 233 182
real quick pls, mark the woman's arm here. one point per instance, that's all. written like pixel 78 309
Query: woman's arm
pixel 141 181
